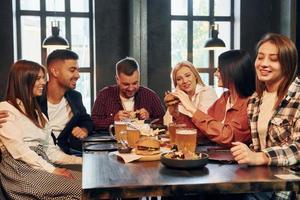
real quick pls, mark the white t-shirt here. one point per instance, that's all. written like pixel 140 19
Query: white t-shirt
pixel 59 115
pixel 266 110
pixel 128 104
pixel 228 106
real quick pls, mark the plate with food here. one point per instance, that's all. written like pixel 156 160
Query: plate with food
pixel 179 160
pixel 146 149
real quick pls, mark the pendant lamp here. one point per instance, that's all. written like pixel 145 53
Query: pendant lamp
pixel 55 41
pixel 214 43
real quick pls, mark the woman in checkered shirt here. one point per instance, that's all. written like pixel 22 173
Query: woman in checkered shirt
pixel 274 109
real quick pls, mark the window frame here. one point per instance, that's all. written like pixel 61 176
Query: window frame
pixel 67 14
pixel 190 18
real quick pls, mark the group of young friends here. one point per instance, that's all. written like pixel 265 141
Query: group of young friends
pixel 42 124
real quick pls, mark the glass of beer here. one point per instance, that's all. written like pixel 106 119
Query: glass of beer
pixel 132 136
pixel 119 126
pixel 186 139
pixel 172 131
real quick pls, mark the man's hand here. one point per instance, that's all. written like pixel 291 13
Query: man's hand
pixel 3 116
pixel 121 115
pixel 80 133
pixel 143 113
pixel 243 155
pixel 63 172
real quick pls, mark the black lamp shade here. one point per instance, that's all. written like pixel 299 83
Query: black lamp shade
pixel 214 42
pixel 55 41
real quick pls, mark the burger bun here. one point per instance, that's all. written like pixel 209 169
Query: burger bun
pixel 147 146
pixel 170 99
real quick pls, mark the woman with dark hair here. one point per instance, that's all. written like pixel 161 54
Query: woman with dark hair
pixel 274 109
pixel 27 169
pixel 226 120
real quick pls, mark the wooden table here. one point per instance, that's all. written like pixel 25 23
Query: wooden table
pixel 104 177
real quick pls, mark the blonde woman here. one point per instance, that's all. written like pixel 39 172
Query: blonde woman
pixel 226 120
pixel 186 77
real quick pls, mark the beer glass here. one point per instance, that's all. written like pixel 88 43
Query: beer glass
pixel 186 139
pixel 172 131
pixel 132 136
pixel 119 126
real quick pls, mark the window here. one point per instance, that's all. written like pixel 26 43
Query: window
pixel 33 19
pixel 190 22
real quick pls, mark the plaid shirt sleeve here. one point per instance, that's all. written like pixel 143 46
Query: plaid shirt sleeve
pixel 105 108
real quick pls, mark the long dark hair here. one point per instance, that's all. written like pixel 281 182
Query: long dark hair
pixel 288 59
pixel 22 77
pixel 236 67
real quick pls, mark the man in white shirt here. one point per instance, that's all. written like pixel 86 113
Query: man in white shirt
pixel 63 105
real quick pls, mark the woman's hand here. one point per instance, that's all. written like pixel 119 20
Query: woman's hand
pixel 63 172
pixel 171 103
pixel 185 101
pixel 243 155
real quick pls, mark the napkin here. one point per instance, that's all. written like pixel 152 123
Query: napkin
pixel 127 157
pixel 130 157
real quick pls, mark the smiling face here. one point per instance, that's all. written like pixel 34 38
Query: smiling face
pixel 186 80
pixel 39 84
pixel 66 73
pixel 128 84
pixel 268 67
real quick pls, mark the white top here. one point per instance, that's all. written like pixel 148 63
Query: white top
pixel 266 110
pixel 19 133
pixel 128 104
pixel 203 98
pixel 59 115
pixel 228 106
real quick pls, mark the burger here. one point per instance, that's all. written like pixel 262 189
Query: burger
pixel 147 146
pixel 132 115
pixel 170 99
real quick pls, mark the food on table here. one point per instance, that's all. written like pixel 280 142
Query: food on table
pixel 170 99
pixel 147 146
pixel 183 156
pixel 124 149
pixel 132 114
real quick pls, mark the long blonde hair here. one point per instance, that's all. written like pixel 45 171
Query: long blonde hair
pixel 189 65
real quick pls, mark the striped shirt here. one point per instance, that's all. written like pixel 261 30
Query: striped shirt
pixel 108 103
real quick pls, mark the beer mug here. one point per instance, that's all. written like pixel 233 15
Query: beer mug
pixel 172 131
pixel 131 135
pixel 186 139
pixel 119 126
